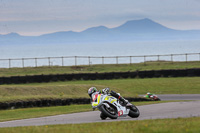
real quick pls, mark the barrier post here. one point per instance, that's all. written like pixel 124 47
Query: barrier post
pixel 62 61
pixel 75 58
pixel 23 62
pixel 186 58
pixel 172 58
pixel 158 57
pixel 199 56
pixel 49 61
pixel 89 60
pixel 130 60
pixel 102 60
pixel 9 63
pixel 35 62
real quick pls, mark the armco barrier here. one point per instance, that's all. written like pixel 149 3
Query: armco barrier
pixel 99 76
pixel 54 102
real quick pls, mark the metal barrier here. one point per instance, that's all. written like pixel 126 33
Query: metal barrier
pixel 90 60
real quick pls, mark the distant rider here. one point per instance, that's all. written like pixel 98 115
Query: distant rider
pixel 93 90
pixel 149 95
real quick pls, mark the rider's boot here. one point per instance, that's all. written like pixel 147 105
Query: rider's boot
pixel 125 102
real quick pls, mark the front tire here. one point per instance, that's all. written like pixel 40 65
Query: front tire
pixel 134 112
pixel 109 112
pixel 102 116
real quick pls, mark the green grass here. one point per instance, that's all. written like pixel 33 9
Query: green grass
pixel 178 125
pixel 6 115
pixel 76 89
pixel 157 65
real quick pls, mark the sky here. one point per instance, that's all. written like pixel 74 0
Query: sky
pixel 37 17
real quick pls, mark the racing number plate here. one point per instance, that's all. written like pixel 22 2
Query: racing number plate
pixel 120 112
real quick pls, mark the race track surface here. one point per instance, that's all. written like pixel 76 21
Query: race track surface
pixel 153 111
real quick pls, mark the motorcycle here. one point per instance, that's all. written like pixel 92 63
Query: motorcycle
pixel 153 97
pixel 112 107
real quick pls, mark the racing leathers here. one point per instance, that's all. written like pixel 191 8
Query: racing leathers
pixel 112 93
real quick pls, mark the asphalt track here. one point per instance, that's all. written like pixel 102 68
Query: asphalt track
pixel 154 111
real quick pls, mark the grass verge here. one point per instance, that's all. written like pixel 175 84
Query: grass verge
pixel 157 65
pixel 180 125
pixel 77 89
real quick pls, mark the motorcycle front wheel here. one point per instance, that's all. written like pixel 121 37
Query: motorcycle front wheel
pixel 102 116
pixel 134 112
pixel 109 112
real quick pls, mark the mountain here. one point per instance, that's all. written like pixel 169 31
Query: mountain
pixel 130 31
pixel 96 30
pixel 13 35
pixel 141 26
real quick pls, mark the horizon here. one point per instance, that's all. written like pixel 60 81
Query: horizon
pixel 34 18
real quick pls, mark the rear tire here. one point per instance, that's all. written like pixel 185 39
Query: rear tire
pixel 134 112
pixel 158 99
pixel 109 112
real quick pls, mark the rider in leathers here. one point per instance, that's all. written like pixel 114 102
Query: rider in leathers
pixel 93 91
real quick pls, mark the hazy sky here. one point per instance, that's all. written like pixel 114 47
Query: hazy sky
pixel 36 17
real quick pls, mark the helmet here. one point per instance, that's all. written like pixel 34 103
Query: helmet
pixel 148 93
pixel 106 90
pixel 91 91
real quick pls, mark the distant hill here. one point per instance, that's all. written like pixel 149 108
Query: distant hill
pixel 131 31
pixel 141 26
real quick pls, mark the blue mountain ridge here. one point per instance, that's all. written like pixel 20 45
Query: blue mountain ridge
pixel 130 31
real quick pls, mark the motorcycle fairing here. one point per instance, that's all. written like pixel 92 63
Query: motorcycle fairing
pixel 99 99
pixel 96 99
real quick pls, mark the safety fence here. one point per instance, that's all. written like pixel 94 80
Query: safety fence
pixel 90 60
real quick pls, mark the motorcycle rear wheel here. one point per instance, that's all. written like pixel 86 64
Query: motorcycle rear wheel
pixel 157 99
pixel 134 112
pixel 109 112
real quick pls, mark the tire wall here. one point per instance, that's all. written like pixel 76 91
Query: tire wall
pixel 50 102
pixel 99 76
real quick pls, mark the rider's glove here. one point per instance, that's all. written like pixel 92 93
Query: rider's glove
pixel 106 90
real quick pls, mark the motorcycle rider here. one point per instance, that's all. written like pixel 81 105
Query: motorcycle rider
pixel 149 95
pixel 93 90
